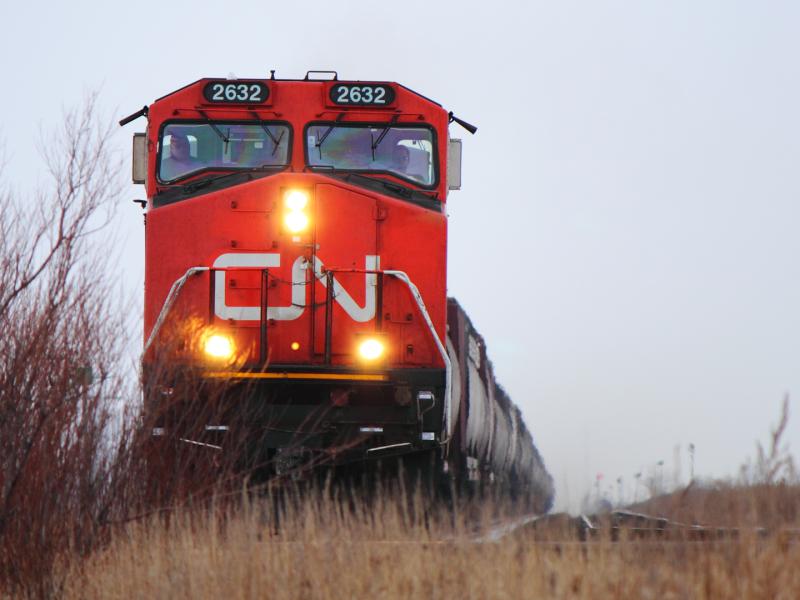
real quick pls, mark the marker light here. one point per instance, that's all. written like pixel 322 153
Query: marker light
pixel 371 349
pixel 295 219
pixel 218 346
pixel 295 346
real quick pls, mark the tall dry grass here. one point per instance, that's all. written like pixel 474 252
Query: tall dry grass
pixel 766 493
pixel 726 504
pixel 334 548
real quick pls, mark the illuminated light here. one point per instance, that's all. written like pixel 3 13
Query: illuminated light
pixel 295 346
pixel 295 221
pixel 295 218
pixel 218 346
pixel 295 200
pixel 371 349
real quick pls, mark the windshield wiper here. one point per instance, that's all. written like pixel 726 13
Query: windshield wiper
pixel 385 130
pixel 201 183
pixel 276 142
pixel 397 190
pixel 323 137
pixel 216 129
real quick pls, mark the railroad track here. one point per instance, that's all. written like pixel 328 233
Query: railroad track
pixel 623 525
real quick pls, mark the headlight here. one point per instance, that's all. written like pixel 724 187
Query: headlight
pixel 218 346
pixel 295 199
pixel 371 349
pixel 295 202
pixel 295 221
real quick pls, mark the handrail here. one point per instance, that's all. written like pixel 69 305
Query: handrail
pixel 171 297
pixel 403 276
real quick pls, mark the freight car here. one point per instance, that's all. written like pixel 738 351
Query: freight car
pixel 295 275
pixel 491 438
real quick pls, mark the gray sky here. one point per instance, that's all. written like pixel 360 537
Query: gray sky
pixel 627 236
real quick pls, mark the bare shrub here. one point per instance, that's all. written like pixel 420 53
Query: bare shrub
pixel 76 453
pixel 60 379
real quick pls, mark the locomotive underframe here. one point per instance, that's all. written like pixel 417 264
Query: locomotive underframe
pixel 276 422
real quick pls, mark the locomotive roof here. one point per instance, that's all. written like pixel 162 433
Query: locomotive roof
pixel 306 79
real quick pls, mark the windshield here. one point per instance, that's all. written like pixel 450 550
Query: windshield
pixel 407 152
pixel 187 148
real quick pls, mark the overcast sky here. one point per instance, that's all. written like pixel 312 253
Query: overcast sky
pixel 627 235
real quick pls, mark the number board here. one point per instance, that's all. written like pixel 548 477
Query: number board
pixel 361 94
pixel 236 92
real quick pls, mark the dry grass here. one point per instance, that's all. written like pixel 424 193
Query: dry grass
pixel 331 549
pixel 727 505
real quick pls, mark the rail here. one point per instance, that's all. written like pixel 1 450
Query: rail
pixel 623 525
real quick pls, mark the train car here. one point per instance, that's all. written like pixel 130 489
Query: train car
pixel 295 240
pixel 491 440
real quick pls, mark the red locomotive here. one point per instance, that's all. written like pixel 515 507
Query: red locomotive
pixel 299 227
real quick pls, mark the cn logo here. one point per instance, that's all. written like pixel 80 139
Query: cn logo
pixel 299 287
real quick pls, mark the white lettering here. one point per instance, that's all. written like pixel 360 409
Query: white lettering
pixel 345 300
pixel 239 313
pixel 232 260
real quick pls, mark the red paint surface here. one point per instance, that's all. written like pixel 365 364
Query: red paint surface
pixel 347 223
